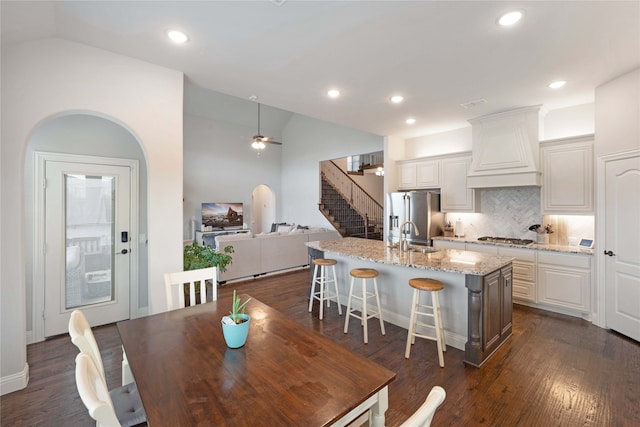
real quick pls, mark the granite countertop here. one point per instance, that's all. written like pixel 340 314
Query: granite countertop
pixel 532 246
pixel 448 260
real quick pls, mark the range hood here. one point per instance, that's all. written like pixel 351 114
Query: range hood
pixel 505 149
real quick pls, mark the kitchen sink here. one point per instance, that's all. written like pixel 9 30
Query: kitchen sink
pixel 417 248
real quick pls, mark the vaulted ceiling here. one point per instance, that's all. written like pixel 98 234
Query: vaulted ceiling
pixel 437 54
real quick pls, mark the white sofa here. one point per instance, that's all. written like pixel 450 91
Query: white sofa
pixel 259 254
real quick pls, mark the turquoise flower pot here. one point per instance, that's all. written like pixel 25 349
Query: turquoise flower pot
pixel 236 334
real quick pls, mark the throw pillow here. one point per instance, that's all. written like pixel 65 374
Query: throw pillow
pixel 274 226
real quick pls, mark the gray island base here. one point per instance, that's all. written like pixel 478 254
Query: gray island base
pixel 476 301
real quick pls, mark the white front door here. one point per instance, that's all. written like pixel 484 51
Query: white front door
pixel 87 212
pixel 622 246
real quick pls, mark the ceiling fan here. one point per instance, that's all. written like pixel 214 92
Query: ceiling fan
pixel 259 140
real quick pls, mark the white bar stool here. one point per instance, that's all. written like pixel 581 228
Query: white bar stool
pixel 433 287
pixel 322 280
pixel 364 274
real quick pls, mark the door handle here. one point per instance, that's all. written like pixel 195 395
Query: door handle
pixel 610 253
pixel 124 252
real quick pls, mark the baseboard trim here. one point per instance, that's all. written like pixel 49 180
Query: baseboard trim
pixel 15 382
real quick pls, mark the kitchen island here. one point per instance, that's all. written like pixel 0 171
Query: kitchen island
pixel 476 301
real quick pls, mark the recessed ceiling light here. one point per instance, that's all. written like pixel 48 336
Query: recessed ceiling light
pixel 333 93
pixel 397 99
pixel 510 18
pixel 558 84
pixel 410 121
pixel 177 37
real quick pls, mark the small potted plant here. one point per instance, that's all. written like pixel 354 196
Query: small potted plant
pixel 542 233
pixel 197 256
pixel 235 326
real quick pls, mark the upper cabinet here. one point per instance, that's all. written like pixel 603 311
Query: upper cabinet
pixel 418 174
pixel 455 196
pixel 567 176
pixel 428 174
pixel 406 175
pixel 448 172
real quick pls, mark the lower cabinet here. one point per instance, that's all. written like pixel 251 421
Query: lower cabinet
pixel 490 314
pixel 548 280
pixel 524 273
pixel 564 281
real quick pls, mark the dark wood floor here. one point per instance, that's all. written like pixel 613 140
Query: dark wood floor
pixel 555 371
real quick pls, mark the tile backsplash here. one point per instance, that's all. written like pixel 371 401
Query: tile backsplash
pixel 508 212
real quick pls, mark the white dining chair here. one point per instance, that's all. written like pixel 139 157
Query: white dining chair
pixel 109 409
pixel 174 283
pixel 82 337
pixel 423 416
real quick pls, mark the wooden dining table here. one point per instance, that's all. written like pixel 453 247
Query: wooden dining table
pixel 285 375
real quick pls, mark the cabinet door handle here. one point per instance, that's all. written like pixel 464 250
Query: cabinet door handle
pixel 610 253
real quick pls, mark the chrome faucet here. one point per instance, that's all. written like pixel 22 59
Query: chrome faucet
pixel 404 245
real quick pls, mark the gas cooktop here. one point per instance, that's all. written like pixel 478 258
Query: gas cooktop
pixel 506 240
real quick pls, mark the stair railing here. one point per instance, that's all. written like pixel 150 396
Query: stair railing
pixel 361 201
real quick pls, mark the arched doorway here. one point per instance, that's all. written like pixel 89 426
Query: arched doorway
pixel 83 136
pixel 263 209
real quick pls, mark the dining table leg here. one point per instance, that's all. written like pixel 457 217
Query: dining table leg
pixel 380 407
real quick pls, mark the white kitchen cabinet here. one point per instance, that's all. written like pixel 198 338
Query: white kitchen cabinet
pixel 455 196
pixel 428 174
pixel 524 273
pixel 449 244
pixel 418 174
pixel 564 280
pixel 407 177
pixel 567 176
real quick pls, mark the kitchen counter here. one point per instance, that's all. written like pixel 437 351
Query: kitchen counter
pixel 447 260
pixel 532 246
pixel 475 301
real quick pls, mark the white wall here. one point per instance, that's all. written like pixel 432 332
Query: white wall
pixel 559 123
pixel 221 166
pixel 569 121
pixel 617 115
pixel 309 141
pixel 44 78
pixel 454 141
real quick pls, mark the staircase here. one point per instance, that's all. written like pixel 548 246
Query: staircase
pixel 351 211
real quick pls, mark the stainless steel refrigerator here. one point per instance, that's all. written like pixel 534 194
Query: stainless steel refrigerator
pixel 420 206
